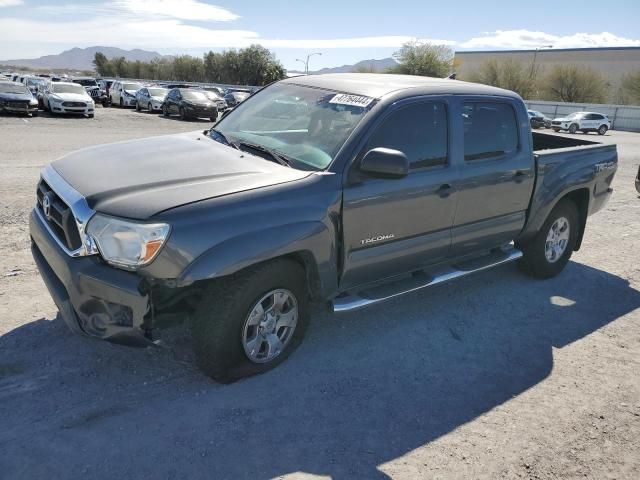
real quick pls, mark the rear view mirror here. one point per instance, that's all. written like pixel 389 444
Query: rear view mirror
pixel 385 163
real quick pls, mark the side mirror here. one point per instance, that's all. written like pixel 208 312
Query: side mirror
pixel 385 163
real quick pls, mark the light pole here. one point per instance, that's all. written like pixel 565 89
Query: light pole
pixel 306 62
pixel 535 54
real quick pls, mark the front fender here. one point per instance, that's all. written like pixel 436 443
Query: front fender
pixel 236 253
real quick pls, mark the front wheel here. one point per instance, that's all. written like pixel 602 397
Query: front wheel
pixel 252 321
pixel 573 128
pixel 183 115
pixel 137 106
pixel 556 130
pixel 547 253
pixel 121 103
pixel 149 108
pixel 165 111
pixel 602 130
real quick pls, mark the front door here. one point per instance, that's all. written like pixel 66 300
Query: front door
pixel 394 226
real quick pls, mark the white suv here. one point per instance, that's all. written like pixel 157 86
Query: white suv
pixel 123 93
pixel 582 121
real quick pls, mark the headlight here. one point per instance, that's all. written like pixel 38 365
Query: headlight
pixel 127 244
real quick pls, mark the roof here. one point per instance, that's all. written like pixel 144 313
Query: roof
pixel 547 50
pixel 378 85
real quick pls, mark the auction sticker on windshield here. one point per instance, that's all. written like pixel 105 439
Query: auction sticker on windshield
pixel 354 100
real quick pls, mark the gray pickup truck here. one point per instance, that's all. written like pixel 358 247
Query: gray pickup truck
pixel 347 189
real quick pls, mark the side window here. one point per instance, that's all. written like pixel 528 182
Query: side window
pixel 419 131
pixel 490 130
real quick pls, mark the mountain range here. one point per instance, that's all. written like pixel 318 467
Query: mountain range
pixel 371 65
pixel 81 58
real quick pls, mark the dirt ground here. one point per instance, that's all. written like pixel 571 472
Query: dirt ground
pixel 494 376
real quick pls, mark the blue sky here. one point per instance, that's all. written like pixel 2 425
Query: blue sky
pixel 343 31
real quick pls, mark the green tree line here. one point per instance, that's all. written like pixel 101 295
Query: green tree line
pixel 254 65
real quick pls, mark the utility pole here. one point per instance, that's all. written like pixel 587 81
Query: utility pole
pixel 306 62
pixel 535 54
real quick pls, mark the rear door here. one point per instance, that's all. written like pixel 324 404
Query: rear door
pixel 392 226
pixel 496 173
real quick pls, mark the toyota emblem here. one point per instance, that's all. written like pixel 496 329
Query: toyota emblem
pixel 46 206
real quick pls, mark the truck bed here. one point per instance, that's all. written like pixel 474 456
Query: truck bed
pixel 546 141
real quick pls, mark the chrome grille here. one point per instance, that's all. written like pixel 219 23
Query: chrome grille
pixel 74 104
pixel 58 216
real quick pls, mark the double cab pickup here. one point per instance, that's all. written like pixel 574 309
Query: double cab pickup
pixel 347 189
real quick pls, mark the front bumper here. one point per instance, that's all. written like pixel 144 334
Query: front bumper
pixel 21 109
pixel 128 101
pixel 93 298
pixel 59 108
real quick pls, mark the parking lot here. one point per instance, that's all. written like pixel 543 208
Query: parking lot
pixel 493 376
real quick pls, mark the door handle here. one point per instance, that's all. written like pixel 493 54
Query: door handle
pixel 519 176
pixel 445 190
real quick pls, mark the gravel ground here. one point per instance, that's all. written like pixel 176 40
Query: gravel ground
pixel 494 376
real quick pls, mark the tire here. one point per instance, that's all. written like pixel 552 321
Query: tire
pixel 34 114
pixel 573 128
pixel 535 260
pixel 137 106
pixel 149 108
pixel 91 115
pixel 165 111
pixel 183 116
pixel 602 130
pixel 121 103
pixel 219 324
pixel 556 130
pixel 214 118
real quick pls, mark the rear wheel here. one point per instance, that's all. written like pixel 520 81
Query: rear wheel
pixel 137 106
pixel 251 322
pixel 602 130
pixel 121 103
pixel 547 253
pixel 573 128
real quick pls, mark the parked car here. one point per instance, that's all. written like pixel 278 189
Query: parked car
pixel 216 90
pixel 541 120
pixel 34 84
pixel 69 98
pixel 17 98
pixel 239 227
pixel 123 93
pixel 582 121
pixel 105 86
pixel 233 99
pixel 93 89
pixel 189 103
pixel 150 98
pixel 638 180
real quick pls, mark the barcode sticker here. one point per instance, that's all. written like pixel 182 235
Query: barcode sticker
pixel 354 100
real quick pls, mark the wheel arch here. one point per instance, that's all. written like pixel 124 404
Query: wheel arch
pixel 580 197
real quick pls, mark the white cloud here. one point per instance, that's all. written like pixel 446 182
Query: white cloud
pixel 392 41
pixel 520 39
pixel 10 3
pixel 181 9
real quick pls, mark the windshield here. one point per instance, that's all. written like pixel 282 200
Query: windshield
pixel 11 88
pixel 198 95
pixel 157 92
pixel 308 125
pixel 66 88
pixel 131 86
pixel 575 115
pixel 86 82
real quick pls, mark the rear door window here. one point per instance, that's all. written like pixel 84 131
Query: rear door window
pixel 490 130
pixel 419 131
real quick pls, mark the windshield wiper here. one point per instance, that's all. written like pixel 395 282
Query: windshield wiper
pixel 275 155
pixel 225 139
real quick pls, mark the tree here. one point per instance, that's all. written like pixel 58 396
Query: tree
pixel 575 84
pixel 103 65
pixel 508 74
pixel 254 65
pixel 631 86
pixel 421 58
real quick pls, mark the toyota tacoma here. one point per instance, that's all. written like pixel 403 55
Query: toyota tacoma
pixel 345 189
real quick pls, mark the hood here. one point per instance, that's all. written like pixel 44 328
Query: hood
pixel 157 99
pixel 71 97
pixel 132 92
pixel 140 178
pixel 564 119
pixel 25 97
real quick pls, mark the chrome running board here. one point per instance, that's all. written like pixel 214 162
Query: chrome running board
pixel 347 301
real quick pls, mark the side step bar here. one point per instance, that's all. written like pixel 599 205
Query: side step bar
pixel 347 302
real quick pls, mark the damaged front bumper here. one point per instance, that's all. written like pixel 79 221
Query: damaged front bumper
pixel 93 298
